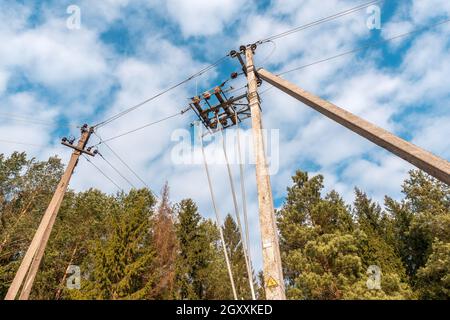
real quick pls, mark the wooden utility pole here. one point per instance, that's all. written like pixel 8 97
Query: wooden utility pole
pixel 273 273
pixel 422 159
pixel 33 257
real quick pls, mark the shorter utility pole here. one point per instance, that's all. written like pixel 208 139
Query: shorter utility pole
pixel 273 272
pixel 33 257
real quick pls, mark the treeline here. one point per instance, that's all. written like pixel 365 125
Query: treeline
pixel 139 245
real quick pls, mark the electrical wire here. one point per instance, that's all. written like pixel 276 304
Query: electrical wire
pixel 219 225
pixel 237 213
pixel 123 161
pixel 29 120
pixel 271 53
pixel 142 127
pixel 126 111
pixel 320 21
pixel 364 47
pixel 22 143
pixel 103 173
pixel 21 117
pixel 244 200
pixel 117 171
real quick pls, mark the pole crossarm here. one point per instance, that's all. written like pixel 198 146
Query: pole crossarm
pixel 422 159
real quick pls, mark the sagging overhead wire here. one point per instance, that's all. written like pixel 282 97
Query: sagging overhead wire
pixel 22 143
pixel 126 111
pixel 103 173
pixel 141 127
pixel 27 121
pixel 218 220
pixel 244 198
pixel 34 121
pixel 320 21
pixel 121 160
pixel 117 171
pixel 243 239
pixel 373 44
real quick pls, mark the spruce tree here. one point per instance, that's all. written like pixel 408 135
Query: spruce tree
pixel 123 265
pixel 237 259
pixel 193 252
pixel 201 270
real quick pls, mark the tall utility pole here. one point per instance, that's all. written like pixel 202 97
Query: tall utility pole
pixel 424 160
pixel 33 257
pixel 273 273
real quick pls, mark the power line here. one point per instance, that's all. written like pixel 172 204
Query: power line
pixel 22 143
pixel 117 171
pixel 142 127
pixel 364 47
pixel 320 21
pixel 271 53
pixel 123 162
pixel 104 174
pixel 126 111
pixel 237 213
pixel 26 120
pixel 20 118
pixel 219 225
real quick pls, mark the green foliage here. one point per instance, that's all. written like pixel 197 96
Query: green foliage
pixel 327 247
pixel 418 220
pixel 434 277
pixel 26 187
pixel 130 247
pixel 201 271
pixel 122 262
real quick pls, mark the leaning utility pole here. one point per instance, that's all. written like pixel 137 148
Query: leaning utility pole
pixel 33 257
pixel 273 272
pixel 422 159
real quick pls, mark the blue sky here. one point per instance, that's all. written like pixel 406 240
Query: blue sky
pixel 126 51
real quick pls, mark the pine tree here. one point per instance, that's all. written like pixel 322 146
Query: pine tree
pixel 419 221
pixel 326 253
pixel 434 278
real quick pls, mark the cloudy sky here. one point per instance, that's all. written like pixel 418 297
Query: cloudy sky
pixel 55 76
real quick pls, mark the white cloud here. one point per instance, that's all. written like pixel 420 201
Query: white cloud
pixel 53 55
pixel 28 128
pixel 3 81
pixel 434 134
pixel 204 17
